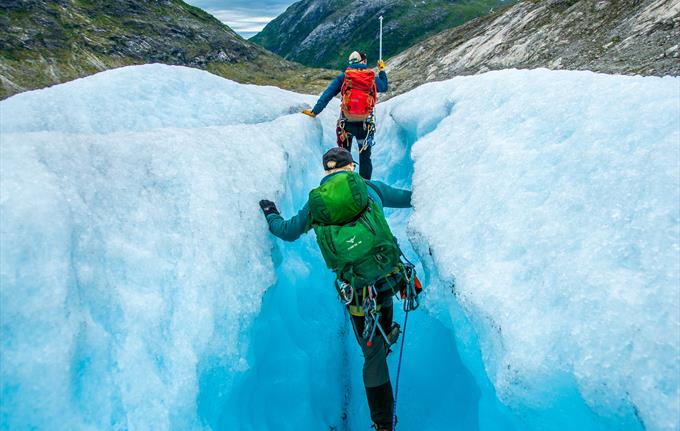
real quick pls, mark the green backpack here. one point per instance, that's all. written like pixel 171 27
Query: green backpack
pixel 352 232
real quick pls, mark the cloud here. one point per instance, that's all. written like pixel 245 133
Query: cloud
pixel 243 4
pixel 246 17
pixel 241 23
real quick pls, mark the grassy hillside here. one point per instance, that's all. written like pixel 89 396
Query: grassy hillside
pixel 48 42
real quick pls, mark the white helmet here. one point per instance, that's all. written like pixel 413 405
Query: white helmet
pixel 356 57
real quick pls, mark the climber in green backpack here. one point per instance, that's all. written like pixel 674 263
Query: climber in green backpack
pixel 346 213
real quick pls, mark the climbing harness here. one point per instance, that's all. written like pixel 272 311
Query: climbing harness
pixel 369 126
pixel 363 144
pixel 370 309
pixel 343 136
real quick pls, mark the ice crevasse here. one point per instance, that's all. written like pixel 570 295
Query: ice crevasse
pixel 140 288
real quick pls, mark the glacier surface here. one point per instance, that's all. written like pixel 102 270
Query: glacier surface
pixel 141 290
pixel 551 199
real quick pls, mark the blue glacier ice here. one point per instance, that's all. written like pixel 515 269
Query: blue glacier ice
pixel 141 290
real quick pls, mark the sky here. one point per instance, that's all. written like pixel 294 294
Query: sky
pixel 246 17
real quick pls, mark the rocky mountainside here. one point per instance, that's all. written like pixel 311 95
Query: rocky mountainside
pixel 610 36
pixel 44 42
pixel 322 33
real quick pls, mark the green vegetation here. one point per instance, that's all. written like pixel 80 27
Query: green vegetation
pixel 299 79
pixel 45 43
pixel 406 23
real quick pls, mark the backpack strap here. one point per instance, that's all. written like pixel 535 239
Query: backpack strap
pixel 377 190
pixel 346 84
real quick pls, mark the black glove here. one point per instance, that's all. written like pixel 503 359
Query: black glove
pixel 268 207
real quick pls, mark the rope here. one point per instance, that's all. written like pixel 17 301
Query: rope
pixel 396 389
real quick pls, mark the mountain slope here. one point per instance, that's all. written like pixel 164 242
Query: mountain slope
pixel 48 42
pixel 618 37
pixel 322 33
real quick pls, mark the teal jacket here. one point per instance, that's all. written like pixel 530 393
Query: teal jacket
pixel 293 228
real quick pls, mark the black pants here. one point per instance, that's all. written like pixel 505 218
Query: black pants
pixel 346 131
pixel 376 374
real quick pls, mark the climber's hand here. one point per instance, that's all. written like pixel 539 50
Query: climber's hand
pixel 268 207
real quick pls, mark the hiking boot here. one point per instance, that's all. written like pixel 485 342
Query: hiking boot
pixel 384 427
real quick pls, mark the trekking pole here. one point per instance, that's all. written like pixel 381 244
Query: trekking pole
pixel 381 20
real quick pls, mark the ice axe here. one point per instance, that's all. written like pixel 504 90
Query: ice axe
pixel 381 20
pixel 381 63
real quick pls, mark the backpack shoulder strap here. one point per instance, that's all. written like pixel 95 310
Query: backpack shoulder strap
pixel 377 190
pixel 345 83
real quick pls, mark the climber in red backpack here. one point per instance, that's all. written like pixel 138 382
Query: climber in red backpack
pixel 358 86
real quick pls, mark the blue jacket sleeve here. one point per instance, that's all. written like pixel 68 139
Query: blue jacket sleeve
pixel 291 229
pixel 381 82
pixel 393 197
pixel 330 92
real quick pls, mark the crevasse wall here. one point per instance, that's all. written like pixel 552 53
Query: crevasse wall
pixel 134 255
pixel 551 200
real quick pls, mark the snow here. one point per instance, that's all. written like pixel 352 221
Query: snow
pixel 157 96
pixel 140 288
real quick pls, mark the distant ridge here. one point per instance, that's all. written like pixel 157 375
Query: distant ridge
pixel 322 33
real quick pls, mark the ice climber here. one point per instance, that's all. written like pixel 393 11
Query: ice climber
pixel 346 213
pixel 358 86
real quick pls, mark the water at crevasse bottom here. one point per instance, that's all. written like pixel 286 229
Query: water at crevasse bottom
pixel 305 365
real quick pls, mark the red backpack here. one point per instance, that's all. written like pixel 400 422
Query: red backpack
pixel 358 94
